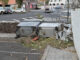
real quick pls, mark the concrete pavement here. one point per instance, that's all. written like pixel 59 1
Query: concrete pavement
pixel 57 54
pixel 7 35
pixel 15 51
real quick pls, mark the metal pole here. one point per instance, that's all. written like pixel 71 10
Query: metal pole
pixel 68 12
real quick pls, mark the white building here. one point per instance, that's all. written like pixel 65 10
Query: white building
pixel 60 3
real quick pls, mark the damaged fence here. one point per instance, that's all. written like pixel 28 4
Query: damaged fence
pixel 59 30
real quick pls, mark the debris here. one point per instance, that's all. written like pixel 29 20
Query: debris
pixel 8 26
pixel 27 28
pixel 26 58
pixel 41 43
pixel 47 29
pixel 64 32
pixel 35 38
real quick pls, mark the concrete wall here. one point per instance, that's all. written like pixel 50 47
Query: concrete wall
pixel 24 31
pixel 75 15
pixel 8 26
pixel 47 32
pixel 57 1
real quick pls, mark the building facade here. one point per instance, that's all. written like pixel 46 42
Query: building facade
pixel 55 3
pixel 61 3
pixel 11 4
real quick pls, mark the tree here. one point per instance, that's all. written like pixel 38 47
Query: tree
pixel 19 2
pixel 4 2
pixel 75 4
pixel 46 2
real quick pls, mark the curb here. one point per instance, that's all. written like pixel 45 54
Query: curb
pixel 45 53
pixel 7 35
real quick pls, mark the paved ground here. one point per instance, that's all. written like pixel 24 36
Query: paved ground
pixel 33 13
pixel 57 54
pixel 15 51
pixel 6 35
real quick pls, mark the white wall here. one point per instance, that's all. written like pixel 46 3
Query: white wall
pixel 57 2
pixel 75 15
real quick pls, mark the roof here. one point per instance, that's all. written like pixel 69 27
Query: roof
pixel 29 24
pixel 0 2
pixel 49 25
pixel 12 2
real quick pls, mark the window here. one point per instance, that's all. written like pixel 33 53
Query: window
pixel 62 4
pixel 7 5
pixel 0 5
pixel 54 4
pixel 50 4
pixel 57 3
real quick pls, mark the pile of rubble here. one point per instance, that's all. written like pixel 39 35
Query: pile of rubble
pixel 61 31
pixel 64 32
pixel 8 26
